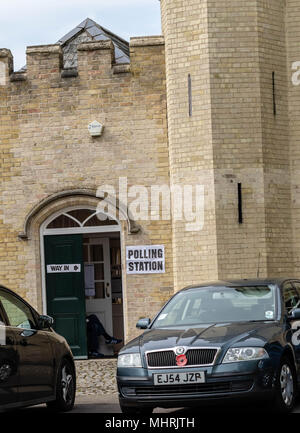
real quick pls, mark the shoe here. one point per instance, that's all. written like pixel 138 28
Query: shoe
pixel 96 355
pixel 114 340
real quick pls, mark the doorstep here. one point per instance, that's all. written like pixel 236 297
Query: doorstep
pixel 96 376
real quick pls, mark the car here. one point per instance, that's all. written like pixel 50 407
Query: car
pixel 36 364
pixel 222 340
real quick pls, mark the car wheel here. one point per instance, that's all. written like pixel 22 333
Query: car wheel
pixel 136 410
pixel 65 388
pixel 285 387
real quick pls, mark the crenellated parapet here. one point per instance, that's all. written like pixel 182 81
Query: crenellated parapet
pixel 6 66
pixel 43 61
pixel 95 58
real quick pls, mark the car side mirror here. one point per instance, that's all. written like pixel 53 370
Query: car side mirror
pixel 294 314
pixel 143 323
pixel 45 322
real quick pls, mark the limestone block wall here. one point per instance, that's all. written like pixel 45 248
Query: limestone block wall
pixel 293 56
pixel 185 28
pixel 275 135
pixel 237 137
pixel 251 137
pixel 45 148
pixel 229 125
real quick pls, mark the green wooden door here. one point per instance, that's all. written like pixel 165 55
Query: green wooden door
pixel 65 289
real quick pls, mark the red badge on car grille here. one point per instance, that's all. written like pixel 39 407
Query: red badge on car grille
pixel 181 360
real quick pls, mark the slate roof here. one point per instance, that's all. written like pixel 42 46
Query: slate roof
pixel 87 31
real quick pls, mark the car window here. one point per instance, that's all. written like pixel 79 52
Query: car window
pixel 297 286
pixel 19 315
pixel 2 331
pixel 290 297
pixel 1 319
pixel 219 304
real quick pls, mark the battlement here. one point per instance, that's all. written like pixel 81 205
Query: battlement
pixel 45 62
pixel 6 65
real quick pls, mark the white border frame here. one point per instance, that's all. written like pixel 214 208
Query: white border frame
pixel 70 231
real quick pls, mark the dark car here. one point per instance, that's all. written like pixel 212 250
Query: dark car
pixel 227 339
pixel 36 364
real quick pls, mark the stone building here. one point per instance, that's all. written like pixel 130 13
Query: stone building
pixel 213 102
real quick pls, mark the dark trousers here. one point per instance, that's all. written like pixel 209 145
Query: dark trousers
pixel 94 330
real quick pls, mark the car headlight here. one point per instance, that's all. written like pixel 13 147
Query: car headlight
pixel 236 354
pixel 130 360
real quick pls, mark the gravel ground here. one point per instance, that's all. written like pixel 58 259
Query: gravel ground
pixel 96 376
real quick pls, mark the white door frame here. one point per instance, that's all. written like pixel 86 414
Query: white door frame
pixel 70 231
pixel 102 307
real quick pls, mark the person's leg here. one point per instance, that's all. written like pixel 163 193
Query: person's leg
pixel 108 338
pixel 100 330
pixel 93 341
pixel 97 325
pixel 92 336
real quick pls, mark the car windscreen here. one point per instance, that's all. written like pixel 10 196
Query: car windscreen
pixel 218 305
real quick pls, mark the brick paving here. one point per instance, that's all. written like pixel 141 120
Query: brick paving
pixel 96 376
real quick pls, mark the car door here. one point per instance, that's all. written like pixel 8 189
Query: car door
pixel 9 364
pixel 296 326
pixel 34 350
pixel 291 299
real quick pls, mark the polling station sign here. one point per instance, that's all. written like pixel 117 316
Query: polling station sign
pixel 145 259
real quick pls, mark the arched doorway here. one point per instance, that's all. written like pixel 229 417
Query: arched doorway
pixel 81 274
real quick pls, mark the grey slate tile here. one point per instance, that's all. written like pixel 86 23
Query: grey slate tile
pixel 89 30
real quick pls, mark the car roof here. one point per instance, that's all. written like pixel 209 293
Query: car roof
pixel 18 296
pixel 241 282
pixel 9 290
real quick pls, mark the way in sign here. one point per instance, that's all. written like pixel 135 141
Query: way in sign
pixel 64 268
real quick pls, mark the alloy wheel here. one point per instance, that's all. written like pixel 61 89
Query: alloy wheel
pixel 286 384
pixel 67 384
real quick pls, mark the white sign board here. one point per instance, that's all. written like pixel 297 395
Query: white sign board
pixel 89 280
pixel 61 269
pixel 145 259
pixel 95 128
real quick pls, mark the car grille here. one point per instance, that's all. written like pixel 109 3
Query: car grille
pixel 168 358
pixel 207 388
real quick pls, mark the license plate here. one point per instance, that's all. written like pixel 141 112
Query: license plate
pixel 179 378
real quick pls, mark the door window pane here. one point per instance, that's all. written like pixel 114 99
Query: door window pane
pixel 62 222
pixel 99 271
pixel 81 214
pixel 100 294
pixel 96 253
pixel 85 253
pixel 19 315
pixel 95 221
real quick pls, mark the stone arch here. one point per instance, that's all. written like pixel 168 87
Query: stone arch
pixel 59 200
pixel 41 212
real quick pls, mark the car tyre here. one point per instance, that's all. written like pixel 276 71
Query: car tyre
pixel 136 410
pixel 65 388
pixel 285 387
